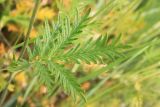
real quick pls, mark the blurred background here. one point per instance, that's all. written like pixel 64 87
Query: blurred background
pixel 131 82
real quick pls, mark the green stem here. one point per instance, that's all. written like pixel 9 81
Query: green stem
pixel 29 28
pixel 4 39
pixel 4 94
pixel 75 68
pixel 29 89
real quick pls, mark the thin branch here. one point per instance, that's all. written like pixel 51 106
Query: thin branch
pixel 29 28
pixel 4 39
pixel 4 94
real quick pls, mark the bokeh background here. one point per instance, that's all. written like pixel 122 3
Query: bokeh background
pixel 134 82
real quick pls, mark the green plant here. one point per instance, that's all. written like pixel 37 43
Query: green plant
pixel 50 52
pixel 51 48
pixel 124 74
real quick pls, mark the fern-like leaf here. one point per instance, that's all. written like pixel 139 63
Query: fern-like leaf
pixel 51 44
pixel 52 47
pixel 92 51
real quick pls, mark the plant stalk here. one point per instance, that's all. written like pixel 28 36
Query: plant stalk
pixel 4 94
pixel 29 28
pixel 32 83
